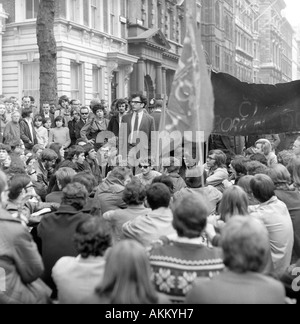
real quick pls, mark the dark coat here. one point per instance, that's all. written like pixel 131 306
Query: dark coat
pixel 72 129
pixel 78 128
pixel 23 266
pixel 56 231
pixel 26 137
pixel 114 126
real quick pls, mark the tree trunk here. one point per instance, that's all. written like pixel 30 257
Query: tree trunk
pixel 48 52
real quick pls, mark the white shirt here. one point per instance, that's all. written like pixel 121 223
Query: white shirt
pixel 141 114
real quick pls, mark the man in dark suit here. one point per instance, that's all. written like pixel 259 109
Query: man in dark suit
pixel 27 130
pixel 84 116
pixel 140 126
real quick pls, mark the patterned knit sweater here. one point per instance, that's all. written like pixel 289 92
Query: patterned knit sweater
pixel 176 264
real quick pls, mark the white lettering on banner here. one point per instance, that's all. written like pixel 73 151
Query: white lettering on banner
pixel 2 280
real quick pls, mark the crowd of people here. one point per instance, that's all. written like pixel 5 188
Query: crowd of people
pixel 77 229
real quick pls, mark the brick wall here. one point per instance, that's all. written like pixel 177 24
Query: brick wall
pixel 9 7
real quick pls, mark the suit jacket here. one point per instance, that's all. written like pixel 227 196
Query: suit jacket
pixel 114 126
pixel 78 128
pixel 26 137
pixel 233 288
pixel 157 116
pixel 147 126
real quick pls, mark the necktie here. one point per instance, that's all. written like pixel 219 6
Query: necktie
pixel 136 124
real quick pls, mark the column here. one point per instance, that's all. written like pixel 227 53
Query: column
pixel 3 16
pixel 141 77
pixel 164 81
pixel 159 89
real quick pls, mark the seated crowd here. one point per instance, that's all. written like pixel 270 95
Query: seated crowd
pixel 72 232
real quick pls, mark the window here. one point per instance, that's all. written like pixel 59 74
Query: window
pixel 227 63
pixel 94 15
pixel 218 14
pixel 227 27
pixel 76 81
pixel 75 11
pixel 31 80
pixel 86 14
pixel 218 60
pixel 32 7
pixel 97 84
pixel 105 15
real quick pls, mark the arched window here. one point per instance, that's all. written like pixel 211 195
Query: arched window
pixel 218 14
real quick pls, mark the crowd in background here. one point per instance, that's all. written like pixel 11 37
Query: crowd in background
pixel 75 228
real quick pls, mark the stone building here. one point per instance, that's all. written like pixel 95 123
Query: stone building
pixel 92 51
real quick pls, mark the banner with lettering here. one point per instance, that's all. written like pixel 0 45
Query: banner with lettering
pixel 255 109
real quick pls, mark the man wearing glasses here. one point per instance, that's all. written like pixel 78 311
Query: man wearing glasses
pixel 84 116
pixel 140 125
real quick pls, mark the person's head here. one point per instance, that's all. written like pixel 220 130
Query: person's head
pixel 166 180
pixel 262 187
pixel 216 159
pixel 296 147
pixel 145 166
pixel 2 109
pixel 190 215
pixel 52 108
pixel 15 117
pixel 158 196
pixel 95 102
pixel 64 176
pixel 90 152
pixel 21 186
pixel 263 146
pixel 4 151
pixel 244 183
pixel 87 179
pixel 76 154
pixel 59 150
pixel 279 175
pixel 159 104
pixel 64 102
pixel 98 111
pixel 138 102
pixel 260 158
pixel 75 195
pixel 234 203
pixel 255 167
pixel 9 106
pixel 92 238
pixel 26 102
pixel 46 107
pixel 122 106
pixel 31 161
pixel 38 121
pixel 59 121
pixel 245 244
pixel 27 113
pixel 171 165
pixel 75 104
pixel 285 157
pixel 294 170
pixel 238 166
pixel 3 189
pixel 75 114
pixel 48 157
pixel 127 276
pixel 47 123
pixel 123 174
pixel 84 113
pixel 37 150
pixel 195 177
pixel 134 194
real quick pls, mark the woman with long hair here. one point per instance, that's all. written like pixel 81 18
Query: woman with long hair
pixel 127 277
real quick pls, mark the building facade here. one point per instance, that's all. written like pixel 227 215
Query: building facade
pixel 92 49
pixel 217 29
pixel 3 17
pixel 156 30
